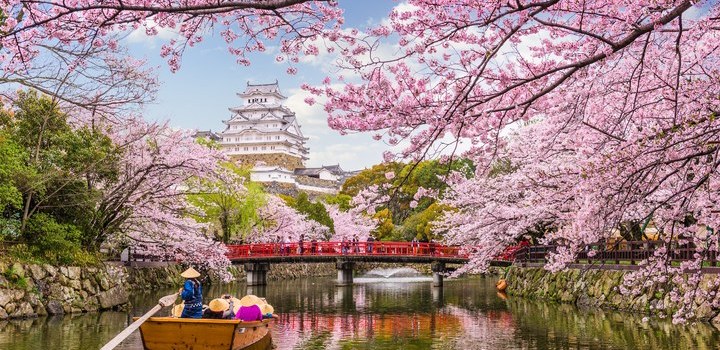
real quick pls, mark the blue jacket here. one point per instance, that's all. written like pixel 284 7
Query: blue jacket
pixel 192 295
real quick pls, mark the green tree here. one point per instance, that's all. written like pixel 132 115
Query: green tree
pixel 12 163
pixel 385 230
pixel 407 179
pixel 341 200
pixel 62 168
pixel 313 210
pixel 231 202
pixel 420 224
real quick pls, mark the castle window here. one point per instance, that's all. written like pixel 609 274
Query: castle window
pixel 269 137
pixel 254 148
pixel 277 137
pixel 272 147
pixel 264 148
pixel 245 149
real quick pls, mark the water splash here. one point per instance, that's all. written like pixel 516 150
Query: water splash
pixel 392 273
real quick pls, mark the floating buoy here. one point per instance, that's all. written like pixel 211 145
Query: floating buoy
pixel 501 285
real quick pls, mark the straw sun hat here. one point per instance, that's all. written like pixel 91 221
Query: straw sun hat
pixel 190 273
pixel 250 300
pixel 218 305
pixel 267 309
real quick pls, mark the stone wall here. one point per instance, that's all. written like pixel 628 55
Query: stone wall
pixel 273 159
pixel 169 276
pixel 38 290
pixel 290 190
pixel 600 288
pixel 313 181
pixel 280 188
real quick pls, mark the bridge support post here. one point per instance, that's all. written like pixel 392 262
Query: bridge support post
pixel 345 272
pixel 256 273
pixel 438 269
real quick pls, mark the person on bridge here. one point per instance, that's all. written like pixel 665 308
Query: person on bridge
pixel 344 246
pixel 370 241
pixel 300 243
pixel 283 246
pixel 313 246
pixel 356 244
pixel 415 244
pixel 191 294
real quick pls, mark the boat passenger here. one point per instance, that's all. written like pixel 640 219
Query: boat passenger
pixel 249 313
pixel 250 309
pixel 191 294
pixel 219 309
pixel 267 311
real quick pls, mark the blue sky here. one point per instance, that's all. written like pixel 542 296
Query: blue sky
pixel 199 94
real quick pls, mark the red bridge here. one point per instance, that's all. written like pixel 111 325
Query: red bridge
pixel 348 251
pixel 258 257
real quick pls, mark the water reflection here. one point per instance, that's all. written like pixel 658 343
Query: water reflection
pixel 465 314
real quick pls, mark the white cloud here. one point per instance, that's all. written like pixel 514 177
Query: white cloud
pixel 313 118
pixel 354 153
pixel 139 36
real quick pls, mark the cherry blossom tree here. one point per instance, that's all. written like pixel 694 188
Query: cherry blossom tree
pixel 281 223
pixel 245 25
pixel 146 206
pixel 621 98
pixel 350 224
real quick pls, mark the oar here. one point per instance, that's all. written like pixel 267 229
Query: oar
pixel 163 302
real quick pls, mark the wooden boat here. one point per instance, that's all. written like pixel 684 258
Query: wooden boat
pixel 170 333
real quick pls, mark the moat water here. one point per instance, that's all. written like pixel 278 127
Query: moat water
pixel 390 313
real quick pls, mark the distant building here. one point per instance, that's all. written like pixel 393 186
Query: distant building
pixel 208 135
pixel 265 134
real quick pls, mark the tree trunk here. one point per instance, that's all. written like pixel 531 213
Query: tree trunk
pixel 36 155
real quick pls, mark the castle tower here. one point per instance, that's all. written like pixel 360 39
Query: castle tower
pixel 263 132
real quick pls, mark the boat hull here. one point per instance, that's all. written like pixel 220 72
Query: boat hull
pixel 169 333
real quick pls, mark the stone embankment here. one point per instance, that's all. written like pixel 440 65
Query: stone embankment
pixel 38 290
pixel 601 289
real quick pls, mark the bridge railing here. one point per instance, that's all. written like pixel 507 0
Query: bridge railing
pixel 619 253
pixel 342 248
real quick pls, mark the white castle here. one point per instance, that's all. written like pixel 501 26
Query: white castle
pixel 266 135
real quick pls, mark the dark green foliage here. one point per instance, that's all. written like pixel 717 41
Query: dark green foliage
pixel 398 220
pixel 55 242
pixel 341 200
pixel 314 210
pixel 49 178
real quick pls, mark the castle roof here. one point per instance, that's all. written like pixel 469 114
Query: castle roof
pixel 262 89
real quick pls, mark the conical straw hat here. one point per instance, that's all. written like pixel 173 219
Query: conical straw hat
pixel 267 309
pixel 190 273
pixel 249 300
pixel 218 305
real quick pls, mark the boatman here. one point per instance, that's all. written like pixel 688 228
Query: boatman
pixel 191 294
